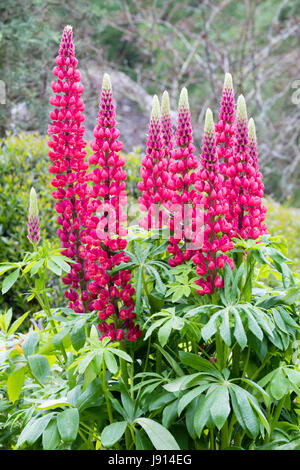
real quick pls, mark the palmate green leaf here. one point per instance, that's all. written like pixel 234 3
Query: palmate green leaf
pixel 10 280
pixel 40 367
pixel 53 404
pixel 77 335
pixel 211 327
pixel 36 266
pixel 259 412
pixel 202 413
pixel 31 343
pixel 68 424
pixel 33 429
pixel 121 354
pixel 292 296
pixel 239 331
pixel 173 363
pixel 112 433
pixel 160 400
pixel 190 396
pixel 220 407
pixel 160 437
pixel 164 332
pixel 179 292
pixel 154 325
pixel 279 385
pixel 51 437
pixel 17 323
pixel 138 290
pixel 170 414
pixel 253 325
pixel 182 383
pixel 15 383
pixel 160 286
pixel 7 266
pixel 279 321
pixel 243 410
pixel 225 327
pixel 54 267
pixel 199 363
pixel 60 261
pixel 142 440
pixel 82 362
pixel 110 362
pixel 90 374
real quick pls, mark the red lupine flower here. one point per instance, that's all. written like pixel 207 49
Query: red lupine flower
pixel 225 127
pixel 69 166
pixel 258 213
pixel 154 174
pixel 248 209
pixel 111 294
pixel 181 180
pixel 225 143
pixel 212 197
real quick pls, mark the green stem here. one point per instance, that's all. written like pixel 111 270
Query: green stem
pixel 158 362
pixel 219 351
pixel 45 306
pixel 236 360
pixel 123 366
pixel 106 397
pixel 260 368
pixel 276 417
pixel 211 439
pixel 145 284
pixel 246 362
pixel 224 436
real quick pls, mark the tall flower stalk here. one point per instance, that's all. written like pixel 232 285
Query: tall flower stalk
pixel 69 166
pixel 166 125
pixel 211 257
pixel 249 211
pixel 111 295
pixel 154 172
pixel 181 180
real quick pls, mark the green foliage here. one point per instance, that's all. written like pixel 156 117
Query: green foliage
pixel 285 221
pixel 210 373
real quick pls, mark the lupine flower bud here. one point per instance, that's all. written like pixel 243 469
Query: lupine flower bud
pixel 33 218
pixel 166 123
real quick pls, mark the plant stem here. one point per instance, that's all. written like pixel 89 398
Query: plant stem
pixel 224 436
pixel 123 366
pixel 246 362
pixel 219 351
pixel 106 397
pixel 236 360
pixel 158 362
pixel 276 417
pixel 212 439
